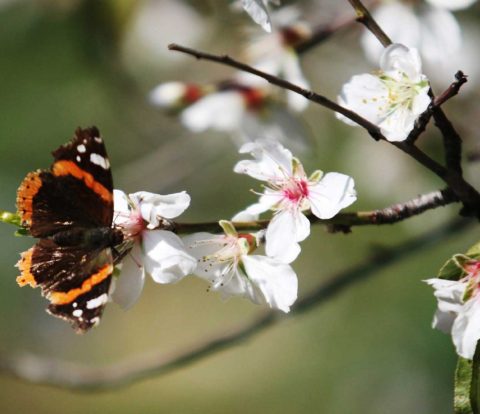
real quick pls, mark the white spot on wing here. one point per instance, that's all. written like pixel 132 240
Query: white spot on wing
pixel 81 148
pixel 77 313
pixel 78 158
pixel 98 301
pixel 95 320
pixel 74 304
pixel 99 160
pixel 98 139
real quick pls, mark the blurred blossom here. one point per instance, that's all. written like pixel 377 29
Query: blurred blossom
pixel 227 262
pixel 242 108
pixel 159 253
pixel 176 95
pixel 155 24
pixel 458 311
pixel 392 98
pixel 275 53
pixel 289 193
pixel 258 11
pixel 429 27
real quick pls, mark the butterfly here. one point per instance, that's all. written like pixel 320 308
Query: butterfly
pixel 70 209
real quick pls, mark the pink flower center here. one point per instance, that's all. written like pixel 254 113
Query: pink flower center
pixel 472 267
pixel 134 226
pixel 296 190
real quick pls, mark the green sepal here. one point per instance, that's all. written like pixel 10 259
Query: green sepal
pixel 10 218
pixel 316 176
pixel 453 268
pixel 22 232
pixel 474 251
pixel 228 228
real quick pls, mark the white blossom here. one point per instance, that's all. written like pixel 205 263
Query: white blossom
pixel 458 311
pixel 227 263
pixel 159 253
pixel 392 98
pixel 289 193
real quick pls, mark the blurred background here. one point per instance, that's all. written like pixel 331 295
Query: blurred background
pixel 370 349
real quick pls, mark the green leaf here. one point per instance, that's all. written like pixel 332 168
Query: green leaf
pixel 463 379
pixel 474 388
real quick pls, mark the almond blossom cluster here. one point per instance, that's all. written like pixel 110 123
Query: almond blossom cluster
pixel 231 262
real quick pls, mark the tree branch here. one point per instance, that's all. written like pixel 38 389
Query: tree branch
pixel 465 192
pixel 364 17
pixel 374 130
pixel 64 374
pixel 389 215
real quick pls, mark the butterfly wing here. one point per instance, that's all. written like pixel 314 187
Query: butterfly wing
pixel 71 199
pixel 76 192
pixel 74 279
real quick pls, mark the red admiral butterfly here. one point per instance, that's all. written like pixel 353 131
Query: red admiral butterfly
pixel 70 209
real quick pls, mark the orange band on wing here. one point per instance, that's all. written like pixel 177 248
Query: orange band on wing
pixel 64 167
pixel 64 298
pixel 25 265
pixel 25 194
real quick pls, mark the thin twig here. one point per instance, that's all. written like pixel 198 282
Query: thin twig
pixel 374 130
pixel 452 142
pixel 324 32
pixel 452 90
pixel 389 215
pixel 62 374
pixel 364 17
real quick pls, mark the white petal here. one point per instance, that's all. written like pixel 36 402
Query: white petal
pixel 285 230
pixel 400 58
pixel 466 329
pixel 398 124
pixel 266 202
pixel 258 12
pixel 244 215
pixel 165 256
pixel 129 284
pixel 366 95
pixel 121 207
pixel 452 4
pixel 200 245
pixel 277 281
pixel 222 111
pixel 168 94
pixel 449 294
pixel 332 193
pixel 421 101
pixel 271 161
pixel 240 285
pixel 155 206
